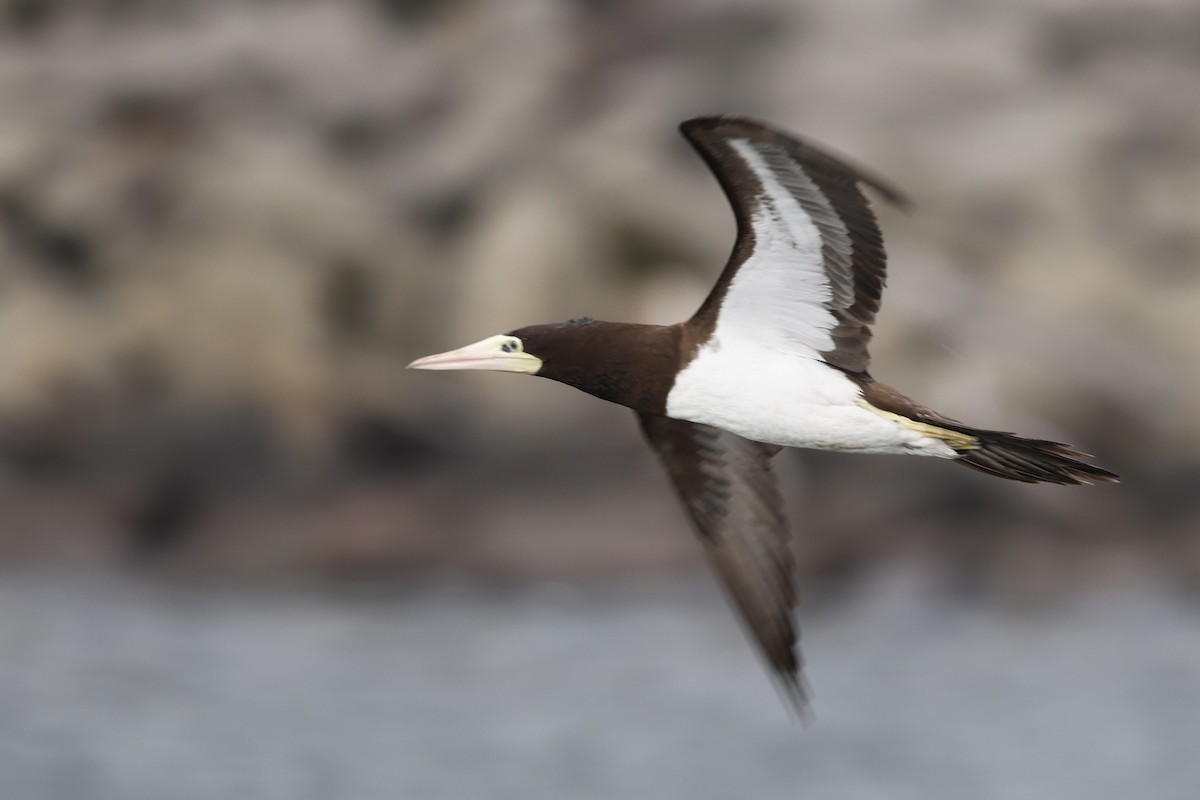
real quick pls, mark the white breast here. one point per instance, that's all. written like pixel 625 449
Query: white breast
pixel 783 399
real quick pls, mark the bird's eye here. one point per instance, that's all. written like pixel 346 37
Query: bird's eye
pixel 509 347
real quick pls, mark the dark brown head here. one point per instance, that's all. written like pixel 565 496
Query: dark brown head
pixel 633 365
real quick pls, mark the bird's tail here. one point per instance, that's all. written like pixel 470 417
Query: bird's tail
pixel 1030 460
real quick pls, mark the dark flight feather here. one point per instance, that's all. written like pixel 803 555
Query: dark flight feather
pixel 729 490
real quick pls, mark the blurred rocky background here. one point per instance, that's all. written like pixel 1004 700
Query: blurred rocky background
pixel 226 225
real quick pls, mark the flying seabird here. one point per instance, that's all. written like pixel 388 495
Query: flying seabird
pixel 775 357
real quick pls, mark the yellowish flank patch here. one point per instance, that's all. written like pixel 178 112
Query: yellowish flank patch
pixel 956 440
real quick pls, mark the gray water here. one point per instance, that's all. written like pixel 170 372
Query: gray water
pixel 126 689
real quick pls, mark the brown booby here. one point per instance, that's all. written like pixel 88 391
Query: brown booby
pixel 775 357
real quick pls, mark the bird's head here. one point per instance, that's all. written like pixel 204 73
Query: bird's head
pixel 628 364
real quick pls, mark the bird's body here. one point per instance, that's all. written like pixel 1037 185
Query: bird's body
pixel 775 357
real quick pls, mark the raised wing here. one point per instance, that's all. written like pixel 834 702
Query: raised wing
pixel 730 493
pixel 808 267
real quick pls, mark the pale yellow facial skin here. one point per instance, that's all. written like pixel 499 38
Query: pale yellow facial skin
pixel 502 353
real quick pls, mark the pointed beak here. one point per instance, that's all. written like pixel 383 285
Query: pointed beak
pixel 462 358
pixel 486 354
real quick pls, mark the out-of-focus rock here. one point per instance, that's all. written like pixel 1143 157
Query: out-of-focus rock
pixel 227 210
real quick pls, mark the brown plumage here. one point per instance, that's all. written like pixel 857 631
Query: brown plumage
pixel 732 498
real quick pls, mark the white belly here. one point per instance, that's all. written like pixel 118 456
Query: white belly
pixel 787 400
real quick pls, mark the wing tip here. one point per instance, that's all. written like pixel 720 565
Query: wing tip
pixel 695 128
pixel 797 697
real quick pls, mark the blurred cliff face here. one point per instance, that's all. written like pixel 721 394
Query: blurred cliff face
pixel 226 225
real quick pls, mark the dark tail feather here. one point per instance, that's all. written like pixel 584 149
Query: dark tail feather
pixel 1030 460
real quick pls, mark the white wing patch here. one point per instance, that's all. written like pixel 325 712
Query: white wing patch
pixel 778 297
pixel 761 375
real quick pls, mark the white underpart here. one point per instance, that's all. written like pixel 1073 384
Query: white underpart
pixel 760 375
